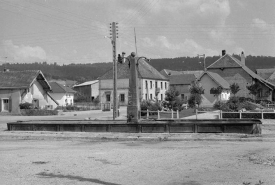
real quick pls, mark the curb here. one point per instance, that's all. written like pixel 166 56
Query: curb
pixel 134 137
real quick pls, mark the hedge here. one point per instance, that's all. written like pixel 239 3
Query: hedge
pixel 38 112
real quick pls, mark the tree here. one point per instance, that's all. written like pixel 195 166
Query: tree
pixel 254 89
pixel 196 92
pixel 234 88
pixel 171 97
pixel 216 91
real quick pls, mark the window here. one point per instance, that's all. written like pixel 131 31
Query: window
pixel 5 105
pixel 151 84
pixel 122 97
pixel 165 85
pixel 151 96
pixel 108 97
pixel 146 97
pixel 161 85
pixel 146 84
pixel 156 84
pixel 161 97
pixel 182 96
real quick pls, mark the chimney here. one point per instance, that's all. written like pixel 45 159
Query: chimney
pixel 223 52
pixel 242 59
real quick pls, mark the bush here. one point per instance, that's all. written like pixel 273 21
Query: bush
pixel 38 112
pixel 151 106
pixel 26 105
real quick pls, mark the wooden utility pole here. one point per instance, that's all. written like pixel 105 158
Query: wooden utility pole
pixel 115 101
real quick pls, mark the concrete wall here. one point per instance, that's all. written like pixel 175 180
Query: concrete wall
pixel 95 89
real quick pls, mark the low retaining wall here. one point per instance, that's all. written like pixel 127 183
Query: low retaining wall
pixel 247 126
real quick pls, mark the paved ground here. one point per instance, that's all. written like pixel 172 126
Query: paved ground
pixel 120 158
pixel 136 163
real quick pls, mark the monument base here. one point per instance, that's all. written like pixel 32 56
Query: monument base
pixel 133 114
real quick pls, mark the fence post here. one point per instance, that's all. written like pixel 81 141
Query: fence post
pixel 172 114
pixel 196 113
pixel 178 117
pixel 221 114
pixel 147 115
pixel 240 115
pixel 262 114
pixel 158 115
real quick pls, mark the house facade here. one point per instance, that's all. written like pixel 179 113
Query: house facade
pixel 182 83
pixel 63 95
pixel 210 80
pixel 152 84
pixel 18 87
pixel 235 71
pixel 90 89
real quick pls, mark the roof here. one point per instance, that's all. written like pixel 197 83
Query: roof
pixel 168 72
pixel 22 79
pixel 145 70
pixel 87 83
pixel 58 88
pixel 265 73
pixel 217 78
pixel 228 61
pixel 183 79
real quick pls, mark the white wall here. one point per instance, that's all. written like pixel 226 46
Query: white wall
pixel 95 89
pixel 62 97
pixel 152 90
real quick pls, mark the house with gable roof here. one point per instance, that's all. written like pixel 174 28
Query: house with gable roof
pixel 182 83
pixel 18 87
pixel 210 80
pixel 153 85
pixel 63 95
pixel 235 71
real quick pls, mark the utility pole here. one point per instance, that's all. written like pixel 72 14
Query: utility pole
pixel 114 37
pixel 203 55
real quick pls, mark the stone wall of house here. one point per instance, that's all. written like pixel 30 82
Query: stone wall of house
pixel 183 90
pixel 14 99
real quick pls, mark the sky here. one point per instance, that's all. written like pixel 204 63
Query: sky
pixel 77 31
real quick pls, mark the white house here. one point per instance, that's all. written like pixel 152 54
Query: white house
pixel 18 87
pixel 153 85
pixel 63 95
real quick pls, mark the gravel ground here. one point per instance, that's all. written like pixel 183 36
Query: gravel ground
pixel 136 163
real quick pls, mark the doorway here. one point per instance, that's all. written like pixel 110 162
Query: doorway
pixel 6 105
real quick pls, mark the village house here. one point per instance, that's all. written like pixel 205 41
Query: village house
pixel 63 95
pixel 89 90
pixel 235 71
pixel 153 85
pixel 210 80
pixel 18 87
pixel 182 83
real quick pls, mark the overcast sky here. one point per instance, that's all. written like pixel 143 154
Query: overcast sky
pixel 72 31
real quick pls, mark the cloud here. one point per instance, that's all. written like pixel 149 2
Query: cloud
pixel 166 48
pixel 220 7
pixel 261 24
pixel 23 53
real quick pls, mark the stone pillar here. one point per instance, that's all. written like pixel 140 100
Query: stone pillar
pixel 133 107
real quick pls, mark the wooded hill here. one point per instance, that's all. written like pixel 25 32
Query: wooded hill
pixel 87 72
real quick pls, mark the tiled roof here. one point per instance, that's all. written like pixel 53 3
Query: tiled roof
pixel 145 70
pixel 265 73
pixel 168 72
pixel 22 79
pixel 86 83
pixel 230 61
pixel 225 61
pixel 58 88
pixel 217 78
pixel 183 79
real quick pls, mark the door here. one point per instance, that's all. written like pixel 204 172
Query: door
pixel 6 105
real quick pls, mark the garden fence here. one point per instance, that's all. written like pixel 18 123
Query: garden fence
pixel 150 114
